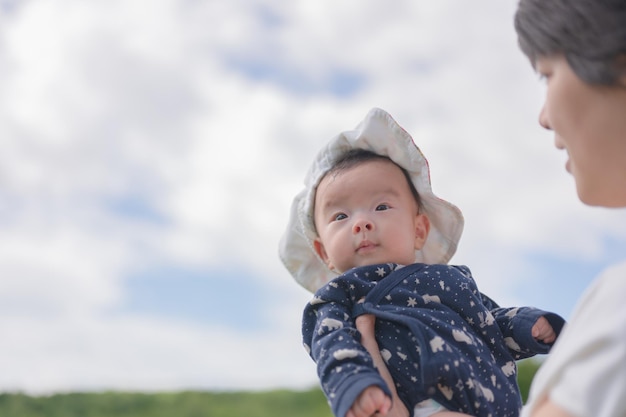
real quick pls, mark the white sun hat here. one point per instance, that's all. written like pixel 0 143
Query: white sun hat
pixel 381 134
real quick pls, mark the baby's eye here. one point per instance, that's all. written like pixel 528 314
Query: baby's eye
pixel 382 207
pixel 340 216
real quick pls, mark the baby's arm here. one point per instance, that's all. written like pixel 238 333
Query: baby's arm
pixel 527 330
pixel 543 331
pixel 365 325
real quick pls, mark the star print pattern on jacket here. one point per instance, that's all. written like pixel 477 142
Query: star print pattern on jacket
pixel 439 336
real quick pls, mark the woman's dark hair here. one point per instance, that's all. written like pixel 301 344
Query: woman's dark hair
pixel 357 156
pixel 591 35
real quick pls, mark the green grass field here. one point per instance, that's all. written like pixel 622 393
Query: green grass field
pixel 180 404
pixel 279 403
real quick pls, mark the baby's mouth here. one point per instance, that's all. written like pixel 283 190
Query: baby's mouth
pixel 365 246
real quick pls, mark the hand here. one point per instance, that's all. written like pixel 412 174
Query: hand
pixel 366 324
pixel 371 401
pixel 543 331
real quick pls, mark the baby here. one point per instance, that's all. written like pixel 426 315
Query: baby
pixel 369 237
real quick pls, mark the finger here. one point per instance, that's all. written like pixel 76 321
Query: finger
pixel 383 407
pixel 365 406
pixel 541 328
pixel 365 324
pixel 551 337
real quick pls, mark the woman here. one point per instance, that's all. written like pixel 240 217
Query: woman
pixel 579 47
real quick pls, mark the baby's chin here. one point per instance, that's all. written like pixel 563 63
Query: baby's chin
pixel 374 262
pixel 386 260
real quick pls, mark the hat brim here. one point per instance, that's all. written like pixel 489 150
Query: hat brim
pixel 381 134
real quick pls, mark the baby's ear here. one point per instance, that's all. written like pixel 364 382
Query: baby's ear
pixel 321 252
pixel 422 227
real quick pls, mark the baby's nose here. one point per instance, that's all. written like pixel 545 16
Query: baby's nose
pixel 362 225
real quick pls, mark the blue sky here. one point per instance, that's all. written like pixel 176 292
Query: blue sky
pixel 149 152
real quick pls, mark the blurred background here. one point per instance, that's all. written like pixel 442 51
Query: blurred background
pixel 149 152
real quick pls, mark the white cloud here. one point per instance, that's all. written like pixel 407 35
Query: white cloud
pixel 140 353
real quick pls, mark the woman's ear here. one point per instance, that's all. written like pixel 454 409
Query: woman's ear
pixel 422 227
pixel 621 67
pixel 321 252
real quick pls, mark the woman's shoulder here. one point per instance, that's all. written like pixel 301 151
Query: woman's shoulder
pixel 605 296
pixel 616 269
pixel 612 280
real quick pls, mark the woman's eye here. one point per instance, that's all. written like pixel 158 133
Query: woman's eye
pixel 339 216
pixel 543 77
pixel 382 207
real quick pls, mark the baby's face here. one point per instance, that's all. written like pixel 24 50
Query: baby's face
pixel 367 215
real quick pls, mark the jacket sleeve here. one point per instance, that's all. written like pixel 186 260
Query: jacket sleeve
pixel 344 367
pixel 516 325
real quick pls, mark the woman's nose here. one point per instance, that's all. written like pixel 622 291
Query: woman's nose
pixel 543 119
pixel 362 225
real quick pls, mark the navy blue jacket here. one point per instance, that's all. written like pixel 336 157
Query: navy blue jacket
pixel 439 336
